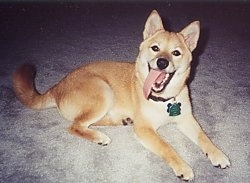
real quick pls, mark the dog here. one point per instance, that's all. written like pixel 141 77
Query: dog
pixel 146 94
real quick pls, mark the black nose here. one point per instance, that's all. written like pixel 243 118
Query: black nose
pixel 162 63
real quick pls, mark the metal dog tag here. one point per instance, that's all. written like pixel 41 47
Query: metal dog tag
pixel 174 109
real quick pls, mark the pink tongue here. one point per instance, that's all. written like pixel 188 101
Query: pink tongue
pixel 154 76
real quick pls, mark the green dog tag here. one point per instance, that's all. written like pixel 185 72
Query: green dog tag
pixel 174 109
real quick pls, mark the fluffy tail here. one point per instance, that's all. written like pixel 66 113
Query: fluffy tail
pixel 24 87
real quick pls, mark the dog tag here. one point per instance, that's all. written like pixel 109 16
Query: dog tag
pixel 174 109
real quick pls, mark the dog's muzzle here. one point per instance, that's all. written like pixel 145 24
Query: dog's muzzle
pixel 157 78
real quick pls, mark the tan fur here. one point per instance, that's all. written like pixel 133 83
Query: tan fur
pixel 109 93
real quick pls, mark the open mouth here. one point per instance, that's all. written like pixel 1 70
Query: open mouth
pixel 160 84
pixel 156 81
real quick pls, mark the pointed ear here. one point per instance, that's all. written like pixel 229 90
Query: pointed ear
pixel 153 24
pixel 191 34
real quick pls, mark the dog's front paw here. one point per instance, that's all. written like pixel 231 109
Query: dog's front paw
pixel 184 172
pixel 218 159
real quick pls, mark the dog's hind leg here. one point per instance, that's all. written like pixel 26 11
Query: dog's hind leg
pixel 80 127
pixel 92 110
pixel 81 130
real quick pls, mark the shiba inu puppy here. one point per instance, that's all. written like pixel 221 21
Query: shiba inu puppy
pixel 146 94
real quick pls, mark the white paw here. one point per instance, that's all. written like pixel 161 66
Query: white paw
pixel 184 172
pixel 102 139
pixel 219 159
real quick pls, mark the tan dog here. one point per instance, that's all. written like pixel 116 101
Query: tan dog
pixel 147 94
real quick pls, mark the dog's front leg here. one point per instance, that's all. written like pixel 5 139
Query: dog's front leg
pixel 152 141
pixel 190 127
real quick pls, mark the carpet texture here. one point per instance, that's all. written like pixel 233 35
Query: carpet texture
pixel 58 37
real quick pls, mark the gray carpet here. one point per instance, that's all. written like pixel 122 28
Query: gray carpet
pixel 35 145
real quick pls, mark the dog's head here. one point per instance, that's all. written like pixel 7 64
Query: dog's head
pixel 164 59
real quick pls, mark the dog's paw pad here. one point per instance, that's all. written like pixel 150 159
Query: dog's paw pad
pixel 181 177
pixel 217 166
pixel 221 167
pixel 127 121
pixel 102 144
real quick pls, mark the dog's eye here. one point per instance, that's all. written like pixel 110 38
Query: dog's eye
pixel 155 48
pixel 176 53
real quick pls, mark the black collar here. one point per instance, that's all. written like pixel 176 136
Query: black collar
pixel 158 99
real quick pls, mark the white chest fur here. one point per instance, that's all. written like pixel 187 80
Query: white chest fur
pixel 156 113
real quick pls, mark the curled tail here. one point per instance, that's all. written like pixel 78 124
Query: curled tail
pixel 24 87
